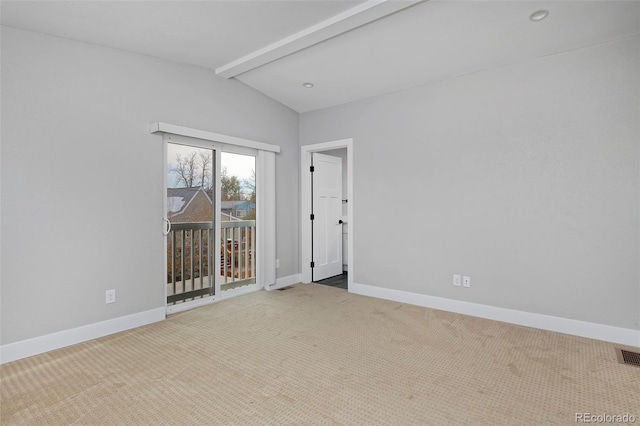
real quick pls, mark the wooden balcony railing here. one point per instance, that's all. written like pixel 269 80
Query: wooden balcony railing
pixel 190 260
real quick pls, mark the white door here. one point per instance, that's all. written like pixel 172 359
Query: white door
pixel 326 212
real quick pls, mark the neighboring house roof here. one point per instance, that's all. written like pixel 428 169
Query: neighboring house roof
pixel 178 199
pixel 230 205
pixel 228 218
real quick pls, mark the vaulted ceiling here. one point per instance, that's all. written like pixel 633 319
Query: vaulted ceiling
pixel 349 50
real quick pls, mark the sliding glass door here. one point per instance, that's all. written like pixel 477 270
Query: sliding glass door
pixel 237 220
pixel 190 210
pixel 211 207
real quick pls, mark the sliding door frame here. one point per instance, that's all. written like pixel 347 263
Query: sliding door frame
pixel 215 220
pixel 265 201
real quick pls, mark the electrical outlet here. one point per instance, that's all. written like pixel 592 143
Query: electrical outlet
pixel 277 263
pixel 457 280
pixel 110 296
pixel 466 281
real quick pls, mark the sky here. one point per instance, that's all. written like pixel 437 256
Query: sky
pixel 237 165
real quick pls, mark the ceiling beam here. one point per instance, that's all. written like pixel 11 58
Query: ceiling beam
pixel 348 20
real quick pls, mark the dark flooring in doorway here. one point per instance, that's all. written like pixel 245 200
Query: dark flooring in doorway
pixel 339 281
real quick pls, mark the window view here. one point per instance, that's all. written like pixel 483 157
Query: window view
pixel 190 209
pixel 190 191
pixel 238 220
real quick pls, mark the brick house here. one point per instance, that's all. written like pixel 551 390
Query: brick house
pixel 194 205
pixel 189 205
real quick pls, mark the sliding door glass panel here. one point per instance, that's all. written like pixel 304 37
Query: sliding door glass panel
pixel 191 212
pixel 237 220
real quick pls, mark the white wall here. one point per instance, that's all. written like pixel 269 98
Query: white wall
pixel 82 177
pixel 524 177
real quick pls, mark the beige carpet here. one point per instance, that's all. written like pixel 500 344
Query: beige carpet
pixel 318 355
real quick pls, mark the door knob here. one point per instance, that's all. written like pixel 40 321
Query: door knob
pixel 340 222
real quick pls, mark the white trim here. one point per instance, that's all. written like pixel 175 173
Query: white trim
pixel 286 281
pixel 305 202
pixel 162 274
pixel 239 291
pixel 348 20
pixel 607 333
pixel 222 295
pixel 266 219
pixel 49 342
pixel 208 144
pixel 160 127
pixel 191 304
pixel 217 221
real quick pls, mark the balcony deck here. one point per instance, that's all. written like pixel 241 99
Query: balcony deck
pixel 190 254
pixel 190 286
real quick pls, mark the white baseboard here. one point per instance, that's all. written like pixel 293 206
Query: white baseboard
pixel 286 281
pixel 191 304
pixel 251 288
pixel 38 345
pixel 607 333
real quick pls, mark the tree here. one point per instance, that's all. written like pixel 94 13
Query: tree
pixel 250 216
pixel 204 167
pixel 193 170
pixel 185 169
pixel 231 188
pixel 250 186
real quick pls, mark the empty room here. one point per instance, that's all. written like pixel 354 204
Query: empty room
pixel 309 212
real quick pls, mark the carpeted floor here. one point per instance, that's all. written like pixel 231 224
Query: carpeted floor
pixel 318 355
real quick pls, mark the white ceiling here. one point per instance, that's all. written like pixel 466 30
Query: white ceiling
pixel 346 59
pixel 434 41
pixel 205 33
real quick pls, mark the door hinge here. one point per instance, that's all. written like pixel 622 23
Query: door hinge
pixel 312 169
pixel 313 264
pixel 312 216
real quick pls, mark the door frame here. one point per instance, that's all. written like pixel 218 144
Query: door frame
pixel 196 143
pixel 305 205
pixel 218 148
pixel 266 197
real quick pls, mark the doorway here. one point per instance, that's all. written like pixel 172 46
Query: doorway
pixel 237 220
pixel 338 281
pixel 326 216
pixel 191 223
pixel 211 208
pixel 343 220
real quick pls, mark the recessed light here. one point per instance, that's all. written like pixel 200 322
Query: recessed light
pixel 539 15
pixel 308 85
